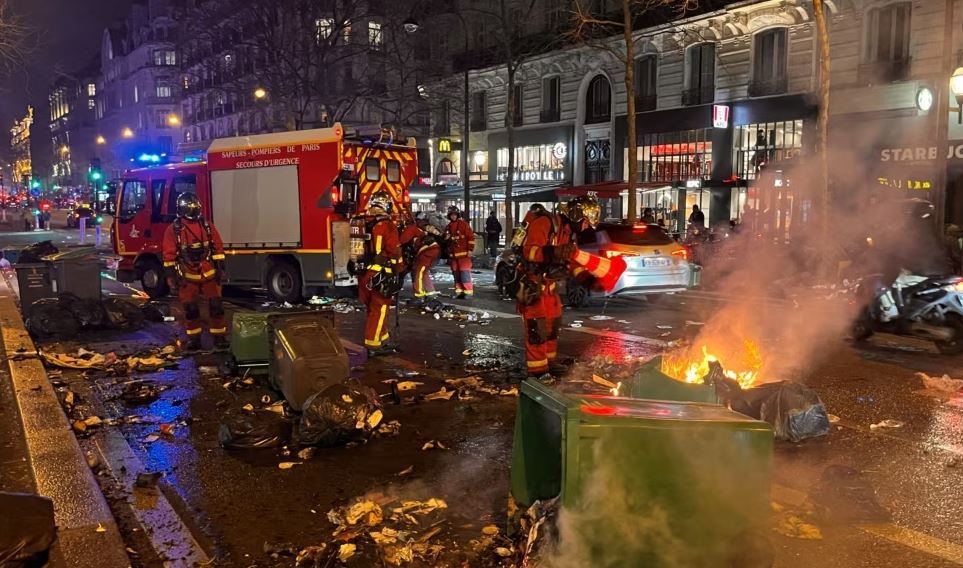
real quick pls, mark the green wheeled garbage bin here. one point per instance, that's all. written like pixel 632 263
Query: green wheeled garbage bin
pixel 645 482
pixel 35 282
pixel 649 382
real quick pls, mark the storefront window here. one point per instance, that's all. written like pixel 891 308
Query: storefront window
pixel 675 156
pixel 757 145
pixel 535 163
pixel 478 166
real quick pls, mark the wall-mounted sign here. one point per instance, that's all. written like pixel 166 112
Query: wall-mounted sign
pixel 720 116
pixel 907 183
pixel 924 99
pixel 498 197
pixel 693 183
pixel 559 151
pixel 444 145
pixel 920 153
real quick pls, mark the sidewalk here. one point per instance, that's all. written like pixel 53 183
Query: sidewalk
pixel 50 460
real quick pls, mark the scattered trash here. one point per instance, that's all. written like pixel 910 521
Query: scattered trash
pixel 151 439
pixel 942 384
pixel 794 410
pixel 49 319
pixel 288 465
pixel 140 393
pixel 277 549
pixel 307 453
pixel 310 556
pixel 663 327
pixel 601 317
pixel 467 382
pixel 512 391
pixel 405 385
pixel 888 423
pixel 278 408
pixel 432 445
pixel 388 429
pixel 489 530
pixel 793 526
pixel 147 480
pixel 253 430
pixel 575 325
pixel 337 415
pixel 100 528
pixel 466 353
pixel 833 419
pixel 406 373
pixel 346 551
pixel 248 407
pixel 604 382
pixel 666 334
pixel 442 394
pixel 122 314
pixel 408 470
pixel 320 301
pixel 694 323
pixel 169 319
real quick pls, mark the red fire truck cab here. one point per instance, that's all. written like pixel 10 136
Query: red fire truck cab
pixel 282 203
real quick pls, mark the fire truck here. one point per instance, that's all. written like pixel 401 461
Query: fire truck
pixel 282 202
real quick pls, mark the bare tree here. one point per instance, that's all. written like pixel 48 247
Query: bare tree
pixel 17 39
pixel 822 141
pixel 600 30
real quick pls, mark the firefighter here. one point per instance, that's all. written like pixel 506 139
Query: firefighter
pixel 547 249
pixel 419 242
pixel 461 244
pixel 194 266
pixel 381 280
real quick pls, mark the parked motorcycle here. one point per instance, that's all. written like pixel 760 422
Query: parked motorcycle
pixel 929 308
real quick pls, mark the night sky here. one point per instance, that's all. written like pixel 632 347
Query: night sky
pixel 69 33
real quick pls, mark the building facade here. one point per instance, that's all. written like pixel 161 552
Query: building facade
pixel 22 165
pixel 137 95
pixel 724 97
pixel 72 126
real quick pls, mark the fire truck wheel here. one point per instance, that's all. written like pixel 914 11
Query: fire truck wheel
pixel 284 282
pixel 152 279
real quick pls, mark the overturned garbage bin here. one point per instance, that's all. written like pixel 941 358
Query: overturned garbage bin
pixel 698 474
pixel 251 338
pixel 650 382
pixel 306 356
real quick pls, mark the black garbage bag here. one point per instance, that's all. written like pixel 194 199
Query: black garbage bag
pixel 49 319
pixel 794 410
pixel 153 312
pixel 337 415
pixel 122 314
pixel 36 252
pixel 27 529
pixel 88 312
pixel 254 430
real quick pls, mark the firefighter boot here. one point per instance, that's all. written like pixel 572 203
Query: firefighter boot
pixel 545 379
pixel 192 345
pixel 380 351
pixel 221 343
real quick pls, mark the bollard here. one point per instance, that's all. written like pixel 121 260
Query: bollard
pixel 83 230
pixel 97 235
pixel 36 222
pixel 3 212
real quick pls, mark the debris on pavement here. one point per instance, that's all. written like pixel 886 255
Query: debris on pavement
pixel 253 430
pixel 31 531
pixel 408 470
pixel 310 556
pixel 346 551
pixel 942 384
pixel 307 453
pixel 277 549
pixel 147 480
pixel 888 423
pixel 433 445
pixel 288 465
pixel 601 317
pixel 833 419
pixel 388 429
pixel 138 393
pixel 441 394
pixel 793 526
pixel 338 415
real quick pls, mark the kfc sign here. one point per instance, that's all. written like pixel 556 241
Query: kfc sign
pixel 720 116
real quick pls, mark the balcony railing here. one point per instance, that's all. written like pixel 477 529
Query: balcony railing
pixel 699 95
pixel 884 71
pixel 644 103
pixel 549 115
pixel 768 86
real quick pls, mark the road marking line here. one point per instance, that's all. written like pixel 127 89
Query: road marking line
pixel 621 336
pixel 918 541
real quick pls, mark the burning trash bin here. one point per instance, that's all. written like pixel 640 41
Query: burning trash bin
pixel 701 472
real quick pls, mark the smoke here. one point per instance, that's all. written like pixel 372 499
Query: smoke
pixel 780 253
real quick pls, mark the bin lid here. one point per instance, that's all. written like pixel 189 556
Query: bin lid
pixel 594 406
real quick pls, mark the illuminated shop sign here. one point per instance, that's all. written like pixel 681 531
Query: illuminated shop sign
pixel 545 162
pixel 905 183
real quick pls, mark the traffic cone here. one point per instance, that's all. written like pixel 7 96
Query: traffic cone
pixel 606 271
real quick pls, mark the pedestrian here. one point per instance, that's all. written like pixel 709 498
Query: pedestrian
pixel 380 281
pixel 648 216
pixel 546 257
pixel 27 217
pixel 419 243
pixel 194 266
pixel 493 232
pixel 953 243
pixel 461 245
pixel 697 217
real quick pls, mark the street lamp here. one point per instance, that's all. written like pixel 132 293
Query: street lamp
pixel 411 26
pixel 101 140
pixel 173 120
pixel 127 132
pixel 259 93
pixel 956 87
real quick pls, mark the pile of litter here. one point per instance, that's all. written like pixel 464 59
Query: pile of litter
pixel 84 359
pixel 441 310
pixel 460 388
pixel 65 316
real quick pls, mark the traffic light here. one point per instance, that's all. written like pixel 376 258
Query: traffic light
pixel 35 184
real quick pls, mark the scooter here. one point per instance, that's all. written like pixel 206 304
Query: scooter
pixel 928 308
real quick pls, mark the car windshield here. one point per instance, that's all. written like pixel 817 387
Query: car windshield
pixel 637 235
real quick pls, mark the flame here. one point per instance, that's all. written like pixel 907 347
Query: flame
pixel 684 365
pixel 616 389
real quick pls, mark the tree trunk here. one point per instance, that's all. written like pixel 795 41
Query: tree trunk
pixel 510 128
pixel 633 163
pixel 822 140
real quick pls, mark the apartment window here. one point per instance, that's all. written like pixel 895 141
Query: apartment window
pixel 323 28
pixel 160 119
pixel 376 37
pixel 442 114
pixel 700 74
pixel 598 103
pixel 551 99
pixel 769 58
pixel 163 90
pixel 518 110
pixel 346 33
pixel 165 57
pixel 646 82
pixel 886 54
pixel 91 90
pixel 479 111
pixel 90 104
pixel 756 145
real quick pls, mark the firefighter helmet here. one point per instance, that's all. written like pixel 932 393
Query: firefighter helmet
pixel 380 200
pixel 188 206
pixel 582 208
pixel 453 209
pixel 537 208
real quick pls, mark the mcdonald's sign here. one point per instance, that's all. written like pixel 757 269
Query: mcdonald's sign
pixel 444 145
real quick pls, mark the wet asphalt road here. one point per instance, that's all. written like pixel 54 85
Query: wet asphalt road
pixel 240 500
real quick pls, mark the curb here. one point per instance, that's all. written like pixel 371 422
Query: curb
pixel 58 465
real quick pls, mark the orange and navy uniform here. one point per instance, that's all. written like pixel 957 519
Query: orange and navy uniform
pixel 542 318
pixel 461 245
pixel 192 251
pixel 426 252
pixel 384 255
